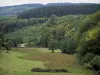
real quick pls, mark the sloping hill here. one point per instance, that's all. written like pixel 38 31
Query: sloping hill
pixel 12 10
pixel 65 26
pixel 60 10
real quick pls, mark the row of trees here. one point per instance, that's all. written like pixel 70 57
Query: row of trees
pixel 10 25
pixel 47 11
pixel 89 44
pixel 5 44
pixel 13 10
pixel 56 33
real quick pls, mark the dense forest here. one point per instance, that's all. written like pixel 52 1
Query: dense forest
pixel 72 28
pixel 47 11
pixel 55 28
pixel 11 24
pixel 72 9
pixel 13 10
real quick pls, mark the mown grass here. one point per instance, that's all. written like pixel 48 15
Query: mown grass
pixel 20 61
pixel 12 63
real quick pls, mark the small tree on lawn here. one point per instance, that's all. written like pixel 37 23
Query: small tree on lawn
pixel 53 45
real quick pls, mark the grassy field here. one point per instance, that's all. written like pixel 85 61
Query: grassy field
pixel 20 61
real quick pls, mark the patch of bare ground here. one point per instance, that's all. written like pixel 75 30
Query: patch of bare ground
pixel 54 60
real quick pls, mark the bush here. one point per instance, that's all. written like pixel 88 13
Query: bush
pixel 98 72
pixel 87 65
pixel 68 46
pixel 48 70
pixel 88 57
pixel 96 63
pixel 89 49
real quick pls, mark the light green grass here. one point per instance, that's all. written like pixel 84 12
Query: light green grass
pixel 34 50
pixel 14 63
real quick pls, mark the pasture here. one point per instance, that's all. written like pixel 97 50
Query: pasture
pixel 20 61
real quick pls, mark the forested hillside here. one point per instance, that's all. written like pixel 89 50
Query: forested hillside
pixel 11 24
pixel 70 34
pixel 89 44
pixel 74 29
pixel 66 9
pixel 56 28
pixel 13 10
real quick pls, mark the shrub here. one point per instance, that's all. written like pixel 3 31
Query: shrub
pixel 88 57
pixel 87 65
pixel 68 46
pixel 48 70
pixel 98 72
pixel 96 63
pixel 89 48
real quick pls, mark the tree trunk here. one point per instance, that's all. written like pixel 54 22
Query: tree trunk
pixel 52 50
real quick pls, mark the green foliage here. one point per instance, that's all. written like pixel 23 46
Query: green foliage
pixel 48 70
pixel 53 44
pixel 4 43
pixel 68 46
pixel 91 42
pixel 52 20
pixel 95 62
pixel 89 22
pixel 12 24
pixel 40 34
pixel 58 33
pixel 13 10
pixel 45 38
pixel 96 17
pixel 60 10
pixel 89 46
pixel 88 57
pixel 66 33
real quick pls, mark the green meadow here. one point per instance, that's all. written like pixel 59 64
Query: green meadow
pixel 20 61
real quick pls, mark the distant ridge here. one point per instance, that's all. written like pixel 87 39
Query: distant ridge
pixel 60 10
pixel 39 4
pixel 13 10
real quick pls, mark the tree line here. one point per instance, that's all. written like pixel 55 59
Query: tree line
pixel 5 44
pixel 13 10
pixel 55 32
pixel 8 25
pixel 47 11
pixel 89 44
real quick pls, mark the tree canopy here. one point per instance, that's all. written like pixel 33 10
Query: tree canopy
pixel 47 11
